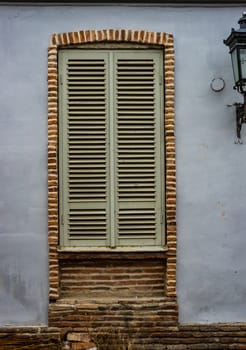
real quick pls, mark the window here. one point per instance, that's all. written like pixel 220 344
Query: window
pixel 111 148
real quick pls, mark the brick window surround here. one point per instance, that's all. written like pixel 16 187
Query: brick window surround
pixel 139 37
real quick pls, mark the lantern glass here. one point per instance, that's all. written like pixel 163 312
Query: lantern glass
pixel 242 55
pixel 234 58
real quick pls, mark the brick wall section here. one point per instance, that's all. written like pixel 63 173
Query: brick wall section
pixel 170 157
pixel 143 319
pixel 172 337
pixel 112 278
pixel 29 338
pixel 150 324
pixel 168 337
pixel 53 170
pixel 198 337
pixel 96 36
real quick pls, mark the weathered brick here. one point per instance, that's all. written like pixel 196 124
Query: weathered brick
pixel 113 35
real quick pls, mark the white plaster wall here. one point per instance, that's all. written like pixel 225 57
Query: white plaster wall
pixel 211 186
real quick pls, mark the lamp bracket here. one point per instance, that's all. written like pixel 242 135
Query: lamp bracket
pixel 240 119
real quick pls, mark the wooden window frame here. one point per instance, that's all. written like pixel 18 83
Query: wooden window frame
pixel 120 38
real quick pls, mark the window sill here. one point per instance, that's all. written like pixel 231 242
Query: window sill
pixel 112 250
pixel 116 253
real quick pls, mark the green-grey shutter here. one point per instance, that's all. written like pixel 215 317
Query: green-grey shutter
pixel 140 153
pixel 83 121
pixel 111 148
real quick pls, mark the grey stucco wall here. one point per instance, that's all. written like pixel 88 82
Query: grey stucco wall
pixel 211 186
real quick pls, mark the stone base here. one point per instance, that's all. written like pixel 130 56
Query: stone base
pixel 187 337
pixel 219 336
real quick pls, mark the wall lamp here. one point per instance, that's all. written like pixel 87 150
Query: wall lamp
pixel 237 46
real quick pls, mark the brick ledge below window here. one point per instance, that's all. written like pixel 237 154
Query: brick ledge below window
pixel 114 255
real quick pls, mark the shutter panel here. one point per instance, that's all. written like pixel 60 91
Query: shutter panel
pixel 84 119
pixel 139 148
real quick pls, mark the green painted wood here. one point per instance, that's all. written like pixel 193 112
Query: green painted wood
pixel 139 118
pixel 84 149
pixel 111 148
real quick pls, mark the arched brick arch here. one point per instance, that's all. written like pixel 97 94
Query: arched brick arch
pixel 62 40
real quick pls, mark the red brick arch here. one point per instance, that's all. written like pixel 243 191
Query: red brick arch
pixel 161 39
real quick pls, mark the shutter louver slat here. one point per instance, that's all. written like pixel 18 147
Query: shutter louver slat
pixel 85 222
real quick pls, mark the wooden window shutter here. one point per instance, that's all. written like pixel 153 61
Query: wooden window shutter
pixel 111 148
pixel 140 153
pixel 84 198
